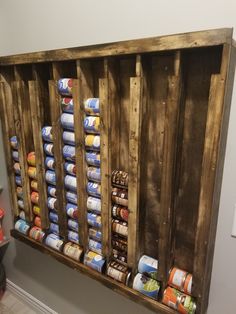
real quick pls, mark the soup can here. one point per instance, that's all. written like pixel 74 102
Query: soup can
pixel 50 177
pixel 119 255
pixel 37 234
pixel 47 134
pixel 181 280
pixel 73 251
pixel 94 204
pixel 67 121
pixel 94 220
pixel 18 180
pixel 71 183
pixel 34 185
pixel 22 215
pixel 119 177
pixel 73 225
pixel 21 204
pixel 48 149
pixel 71 197
pixel 70 168
pixel 19 192
pixel 146 286
pixel 72 211
pixel 68 137
pixel 95 261
pixel 92 124
pixel 34 197
pixel 120 227
pixel 94 189
pixel 91 106
pixel 92 159
pixel 179 301
pixel 15 155
pixel 67 104
pixel 14 142
pixel 73 236
pixel 54 228
pixel 95 246
pixel 54 241
pixel 69 152
pixel 36 210
pixel 92 142
pixel 94 174
pixel 120 212
pixel 37 222
pixel 16 167
pixel 148 266
pixel 119 243
pixel 52 203
pixel 119 196
pixel 118 272
pixel 64 86
pixel 95 234
pixel 50 163
pixel 32 172
pixel 52 191
pixel 53 217
pixel 22 226
pixel 31 159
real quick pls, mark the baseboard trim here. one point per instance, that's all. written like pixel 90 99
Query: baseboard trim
pixel 29 299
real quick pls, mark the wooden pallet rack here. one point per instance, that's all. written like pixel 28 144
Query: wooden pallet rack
pixel 165 104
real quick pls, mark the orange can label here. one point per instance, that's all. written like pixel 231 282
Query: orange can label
pixel 34 198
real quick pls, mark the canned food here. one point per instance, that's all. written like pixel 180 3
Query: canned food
pixel 92 142
pixel 95 234
pixel 21 204
pixel 148 266
pixel 50 177
pixel 94 174
pixel 119 255
pixel 34 196
pixel 73 251
pixel 32 172
pixel 47 134
pixel 15 155
pixel 94 204
pixel 53 217
pixel 69 152
pixel 67 104
pixel 188 284
pixel 92 158
pixel 36 210
pixel 37 234
pixel 119 177
pixel 64 86
pixel 180 279
pixel 68 137
pixel 31 159
pixel 94 189
pixel 120 227
pixel 22 215
pixel 50 163
pixel 73 225
pixel 119 196
pixel 37 222
pixel 54 228
pixel 48 149
pixel 34 185
pixel 73 236
pixel 179 301
pixel 22 226
pixel 72 210
pixel 71 197
pixel 118 272
pixel 14 142
pixel 120 212
pixel 146 285
pixel 95 246
pixel 67 121
pixel 52 191
pixel 52 203
pixel 18 180
pixel 71 182
pixel 16 167
pixel 54 242
pixel 94 220
pixel 70 168
pixel 91 106
pixel 19 192
pixel 94 260
pixel 92 124
pixel 119 243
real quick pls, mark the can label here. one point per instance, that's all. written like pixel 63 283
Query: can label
pixel 70 168
pixel 94 189
pixel 73 225
pixel 94 220
pixel 67 121
pixel 120 227
pixel 31 159
pixel 71 183
pixel 15 155
pixel 120 212
pixel 148 266
pixel 71 197
pixel 146 285
pixel 16 167
pixel 21 204
pixel 94 174
pixel 50 163
pixel 119 255
pixel 94 260
pixel 37 222
pixel 92 142
pixel 69 152
pixel 52 203
pixel 32 173
pixel 73 250
pixel 54 242
pixel 67 104
pixel 94 204
pixel 188 284
pixel 53 217
pixel 119 196
pixel 119 177
pixel 50 177
pixel 14 142
pixel 118 272
pixel 95 246
pixel 95 234
pixel 92 124
pixel 36 210
pixel 180 279
pixel 22 226
pixel 54 228
pixel 68 137
pixel 72 210
pixel 34 196
pixel 64 86
pixel 47 134
pixel 48 149
pixel 18 180
pixel 119 243
pixel 91 106
pixel 37 234
pixel 73 236
pixel 19 192
pixel 34 185
pixel 92 159
pixel 52 191
pixel 22 215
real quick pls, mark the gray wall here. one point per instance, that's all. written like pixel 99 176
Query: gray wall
pixel 30 25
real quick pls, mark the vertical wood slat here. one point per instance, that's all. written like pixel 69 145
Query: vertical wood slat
pixel 8 130
pixel 58 156
pixel 39 153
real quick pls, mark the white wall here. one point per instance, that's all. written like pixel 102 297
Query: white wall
pixel 30 25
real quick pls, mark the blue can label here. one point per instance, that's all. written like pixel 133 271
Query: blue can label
pixel 95 246
pixel 22 226
pixel 54 228
pixel 67 121
pixel 68 137
pixel 53 217
pixel 73 225
pixel 91 106
pixel 67 104
pixel 52 203
pixel 92 124
pixel 18 180
pixel 94 189
pixel 48 149
pixel 70 168
pixel 47 134
pixel 94 204
pixel 15 155
pixel 50 177
pixel 64 86
pixel 71 197
pixel 94 174
pixel 148 266
pixel 94 260
pixel 70 182
pixel 95 234
pixel 69 152
pixel 94 220
pixel 14 142
pixel 54 242
pixel 72 211
pixel 50 163
pixel 93 159
pixel 52 191
pixel 73 236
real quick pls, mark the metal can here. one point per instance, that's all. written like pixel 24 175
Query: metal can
pixel 95 246
pixel 179 301
pixel 72 210
pixel 50 177
pixel 67 121
pixel 120 177
pixel 36 210
pixel 95 261
pixel 95 234
pixel 53 217
pixel 68 137
pixel 48 149
pixel 119 255
pixel 148 266
pixel 31 159
pixel 73 225
pixel 73 251
pixel 54 228
pixel 71 183
pixel 94 189
pixel 146 286
pixel 50 163
pixel 119 243
pixel 71 197
pixel 69 152
pixel 47 134
pixel 67 104
pixel 188 284
pixel 52 203
pixel 180 279
pixel 92 142
pixel 64 86
pixel 19 192
pixel 92 159
pixel 15 155
pixel 37 234
pixel 94 220
pixel 22 226
pixel 54 241
pixel 32 172
pixel 22 215
pixel 119 196
pixel 70 168
pixel 92 124
pixel 18 180
pixel 120 227
pixel 21 204
pixel 91 106
pixel 120 212
pixel 94 204
pixel 94 174
pixel 34 197
pixel 14 142
pixel 73 236
pixel 118 272
pixel 16 167
pixel 37 222
pixel 34 185
pixel 52 191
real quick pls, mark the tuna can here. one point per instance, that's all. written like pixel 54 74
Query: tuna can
pixel 71 183
pixel 94 220
pixel 95 234
pixel 34 196
pixel 92 124
pixel 69 152
pixel 67 121
pixel 32 173
pixel 70 168
pixel 52 203
pixel 120 196
pixel 15 155
pixel 92 142
pixel 92 159
pixel 36 210
pixel 54 242
pixel 180 280
pixel 120 227
pixel 119 255
pixel 22 226
pixel 37 222
pixel 94 189
pixel 19 192
pixel 68 137
pixel 120 212
pixel 16 167
pixel 22 215
pixel 94 204
pixel 21 204
pixel 118 272
pixel 47 134
pixel 48 149
pixel 71 197
pixel 179 301
pixel 73 251
pixel 67 104
pixel 119 177
pixel 72 210
pixel 50 177
pixel 52 191
pixel 119 243
pixel 73 225
pixel 31 159
pixel 64 86
pixel 148 266
pixel 14 142
pixel 146 285
pixel 73 236
pixel 50 163
pixel 53 217
pixel 95 246
pixel 37 234
pixel 54 228
pixel 94 174
pixel 94 260
pixel 18 180
pixel 34 185
pixel 91 106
